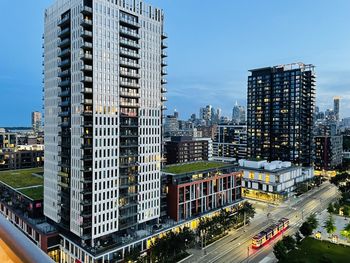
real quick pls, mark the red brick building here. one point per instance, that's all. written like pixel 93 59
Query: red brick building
pixel 197 192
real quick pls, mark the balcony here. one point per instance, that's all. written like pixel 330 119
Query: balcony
pixel 129 74
pixel 64 83
pixel 64 93
pixel 164 44
pixel 64 32
pixel 164 35
pixel 87 113
pixel 129 43
pixel 87 79
pixel 87 90
pixel 86 22
pixel 129 54
pixel 86 45
pixel 62 184
pixel 65 103
pixel 64 21
pixel 164 72
pixel 64 113
pixel 87 124
pixel 87 102
pixel 129 64
pixel 64 63
pixel 86 146
pixel 164 107
pixel 129 144
pixel 128 33
pixel 65 124
pixel 129 104
pixel 129 94
pixel 64 43
pixel 164 63
pixel 164 81
pixel 85 213
pixel 129 84
pixel 86 68
pixel 86 33
pixel 86 10
pixel 87 57
pixel 164 98
pixel 164 90
pixel 64 73
pixel 164 54
pixel 128 22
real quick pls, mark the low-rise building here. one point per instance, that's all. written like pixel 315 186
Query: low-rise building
pixel 22 157
pixel 194 189
pixel 272 181
pixel 182 149
pixel 21 202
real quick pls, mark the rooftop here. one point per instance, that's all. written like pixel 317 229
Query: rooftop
pixel 193 167
pixel 24 181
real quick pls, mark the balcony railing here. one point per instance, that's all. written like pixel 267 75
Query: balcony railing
pixel 86 10
pixel 129 43
pixel 129 22
pixel 129 53
pixel 63 43
pixel 129 84
pixel 129 33
pixel 129 74
pixel 86 45
pixel 86 33
pixel 129 64
pixel 86 79
pixel 64 32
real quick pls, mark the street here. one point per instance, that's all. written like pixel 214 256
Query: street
pixel 236 246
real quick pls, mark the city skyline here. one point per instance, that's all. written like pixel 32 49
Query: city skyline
pixel 220 82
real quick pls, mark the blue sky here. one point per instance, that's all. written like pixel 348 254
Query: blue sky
pixel 212 45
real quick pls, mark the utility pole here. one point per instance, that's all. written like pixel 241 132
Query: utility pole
pixel 248 255
pixel 244 219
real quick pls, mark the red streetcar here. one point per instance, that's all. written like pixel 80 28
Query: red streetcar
pixel 269 233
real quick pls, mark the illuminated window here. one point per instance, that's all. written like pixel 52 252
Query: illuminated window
pixel 251 175
pixel 260 176
pixel 267 178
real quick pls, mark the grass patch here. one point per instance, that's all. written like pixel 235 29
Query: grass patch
pixel 22 177
pixel 312 250
pixel 35 193
pixel 192 167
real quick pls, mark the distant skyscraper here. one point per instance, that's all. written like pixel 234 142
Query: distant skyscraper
pixel 238 114
pixel 104 85
pixel 36 121
pixel 206 113
pixel 281 104
pixel 336 107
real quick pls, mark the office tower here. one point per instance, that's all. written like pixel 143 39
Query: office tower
pixel 206 113
pixel 171 124
pixel 238 114
pixel 281 103
pixel 36 121
pixel 104 85
pixel 336 107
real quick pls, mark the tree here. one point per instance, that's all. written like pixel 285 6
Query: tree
pixel 280 250
pixel 306 229
pixel 248 209
pixel 346 210
pixel 330 225
pixel 346 232
pixel 330 208
pixel 312 220
pixel 288 242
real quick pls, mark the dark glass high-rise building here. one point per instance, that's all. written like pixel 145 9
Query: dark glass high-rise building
pixel 281 103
